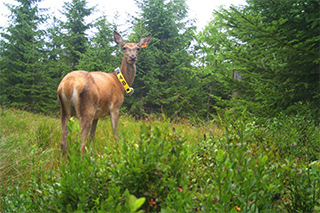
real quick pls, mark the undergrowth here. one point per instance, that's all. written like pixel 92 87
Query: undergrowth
pixel 236 164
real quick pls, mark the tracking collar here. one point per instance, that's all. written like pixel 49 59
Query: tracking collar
pixel 129 90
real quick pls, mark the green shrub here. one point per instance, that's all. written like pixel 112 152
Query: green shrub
pixel 295 137
pixel 302 187
pixel 253 166
pixel 153 166
pixel 245 171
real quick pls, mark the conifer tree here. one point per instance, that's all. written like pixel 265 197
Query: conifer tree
pixel 99 55
pixel 164 67
pixel 75 40
pixel 211 70
pixel 56 62
pixel 274 46
pixel 23 81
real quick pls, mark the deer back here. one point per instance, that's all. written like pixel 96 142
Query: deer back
pixel 90 93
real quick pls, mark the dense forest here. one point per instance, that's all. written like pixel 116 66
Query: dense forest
pixel 263 56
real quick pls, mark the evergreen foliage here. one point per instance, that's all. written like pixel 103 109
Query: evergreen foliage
pixel 274 46
pixel 100 54
pixel 23 79
pixel 211 70
pixel 75 40
pixel 164 67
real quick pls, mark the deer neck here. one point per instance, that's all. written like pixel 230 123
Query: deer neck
pixel 128 71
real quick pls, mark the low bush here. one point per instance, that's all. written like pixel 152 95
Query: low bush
pixel 254 166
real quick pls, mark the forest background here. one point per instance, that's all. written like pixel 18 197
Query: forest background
pixel 272 46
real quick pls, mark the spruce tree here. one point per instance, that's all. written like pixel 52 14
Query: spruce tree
pixel 274 46
pixel 75 40
pixel 56 62
pixel 99 55
pixel 23 81
pixel 211 71
pixel 164 67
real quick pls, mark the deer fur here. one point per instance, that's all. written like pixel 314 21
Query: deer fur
pixel 92 95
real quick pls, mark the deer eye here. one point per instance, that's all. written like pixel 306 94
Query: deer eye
pixel 124 48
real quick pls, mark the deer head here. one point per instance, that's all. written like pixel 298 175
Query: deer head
pixel 131 50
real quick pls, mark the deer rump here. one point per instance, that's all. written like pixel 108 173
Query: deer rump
pixel 92 94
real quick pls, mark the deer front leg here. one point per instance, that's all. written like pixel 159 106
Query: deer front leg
pixel 93 129
pixel 114 115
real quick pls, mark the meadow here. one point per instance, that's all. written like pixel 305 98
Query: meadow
pixel 235 163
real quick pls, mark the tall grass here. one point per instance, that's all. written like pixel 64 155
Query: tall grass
pixel 27 139
pixel 236 164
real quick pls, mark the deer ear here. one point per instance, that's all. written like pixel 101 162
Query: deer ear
pixel 118 39
pixel 145 40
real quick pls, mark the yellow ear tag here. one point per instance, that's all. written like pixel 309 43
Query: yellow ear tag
pixel 144 45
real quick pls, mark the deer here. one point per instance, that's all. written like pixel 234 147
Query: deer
pixel 93 95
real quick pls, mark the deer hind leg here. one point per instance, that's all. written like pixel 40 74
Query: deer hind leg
pixel 64 124
pixel 85 125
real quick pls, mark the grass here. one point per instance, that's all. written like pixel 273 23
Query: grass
pixel 21 143
pixel 27 139
pixel 237 164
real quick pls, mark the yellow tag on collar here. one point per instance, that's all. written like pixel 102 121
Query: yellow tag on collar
pixel 123 81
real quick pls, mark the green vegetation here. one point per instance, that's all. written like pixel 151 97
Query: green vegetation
pixel 194 138
pixel 233 164
pixel 274 46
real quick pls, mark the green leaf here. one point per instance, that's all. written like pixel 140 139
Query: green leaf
pixel 138 203
pixel 264 160
pixel 220 156
pixel 233 210
pixel 134 203
pixel 228 165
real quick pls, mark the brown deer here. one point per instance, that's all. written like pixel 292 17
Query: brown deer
pixel 92 95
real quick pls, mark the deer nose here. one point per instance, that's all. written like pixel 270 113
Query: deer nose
pixel 133 57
